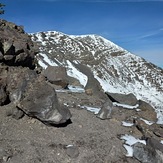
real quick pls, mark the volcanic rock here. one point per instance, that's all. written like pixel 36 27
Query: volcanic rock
pixel 128 99
pixel 17 81
pixel 147 111
pixel 40 101
pixel 56 75
pixel 16 47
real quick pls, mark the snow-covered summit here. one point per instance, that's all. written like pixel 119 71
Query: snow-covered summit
pixel 116 69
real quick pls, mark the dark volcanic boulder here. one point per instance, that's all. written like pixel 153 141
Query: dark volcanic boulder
pixel 128 99
pixel 32 94
pixel 144 154
pixel 147 111
pixel 17 81
pixel 19 84
pixel 16 47
pixel 41 102
pixel 56 75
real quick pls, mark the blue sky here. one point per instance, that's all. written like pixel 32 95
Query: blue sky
pixel 136 25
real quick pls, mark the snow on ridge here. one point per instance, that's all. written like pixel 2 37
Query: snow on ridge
pixel 46 62
pixel 98 39
pixel 74 72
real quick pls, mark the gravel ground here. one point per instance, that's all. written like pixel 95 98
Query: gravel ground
pixel 86 139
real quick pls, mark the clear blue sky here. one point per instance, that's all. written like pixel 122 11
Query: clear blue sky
pixel 136 25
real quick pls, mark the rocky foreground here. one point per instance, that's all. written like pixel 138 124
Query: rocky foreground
pixel 48 117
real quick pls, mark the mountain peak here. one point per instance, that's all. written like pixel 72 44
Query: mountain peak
pixel 116 69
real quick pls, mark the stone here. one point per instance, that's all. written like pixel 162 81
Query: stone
pixel 72 151
pixel 106 110
pixel 15 113
pixel 40 101
pixel 17 80
pixel 56 75
pixel 128 99
pixel 150 153
pixel 14 41
pixel 158 132
pixel 19 48
pixel 147 111
pixel 143 154
pixel 8 47
pixel 155 144
pixel 34 96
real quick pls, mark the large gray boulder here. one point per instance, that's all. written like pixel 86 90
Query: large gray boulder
pixel 128 99
pixel 56 75
pixel 19 84
pixel 17 80
pixel 147 111
pixel 41 102
pixel 34 96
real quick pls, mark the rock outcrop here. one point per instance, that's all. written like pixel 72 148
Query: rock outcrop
pixel 19 82
pixel 56 75
pixel 128 99
pixel 40 101
pixel 16 47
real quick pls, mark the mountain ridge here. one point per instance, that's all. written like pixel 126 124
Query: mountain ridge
pixel 116 69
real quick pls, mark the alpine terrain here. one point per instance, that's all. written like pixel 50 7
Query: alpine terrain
pixel 116 69
pixel 76 99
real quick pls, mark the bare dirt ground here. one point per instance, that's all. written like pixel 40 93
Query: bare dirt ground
pixel 87 139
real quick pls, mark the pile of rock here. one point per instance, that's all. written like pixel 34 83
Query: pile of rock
pixel 16 47
pixel 20 83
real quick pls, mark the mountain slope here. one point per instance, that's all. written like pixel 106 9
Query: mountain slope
pixel 116 69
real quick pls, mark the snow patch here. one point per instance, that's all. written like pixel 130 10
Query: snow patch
pixel 70 145
pixel 77 89
pixel 95 110
pixel 129 150
pixel 127 124
pixel 129 142
pixel 71 88
pixel 125 106
pixel 147 122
